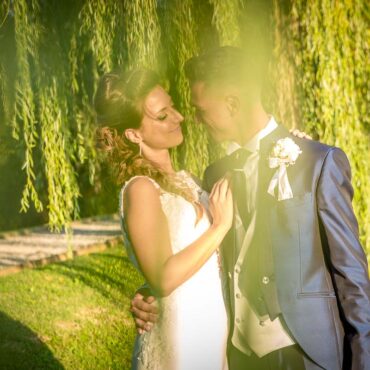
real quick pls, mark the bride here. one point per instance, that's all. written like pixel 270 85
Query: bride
pixel 171 227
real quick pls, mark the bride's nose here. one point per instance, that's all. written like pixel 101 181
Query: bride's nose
pixel 178 116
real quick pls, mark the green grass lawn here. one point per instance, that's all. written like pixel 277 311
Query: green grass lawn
pixel 69 315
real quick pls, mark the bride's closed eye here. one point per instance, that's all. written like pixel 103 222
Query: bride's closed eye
pixel 162 117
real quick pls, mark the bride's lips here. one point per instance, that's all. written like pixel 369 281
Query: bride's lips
pixel 176 129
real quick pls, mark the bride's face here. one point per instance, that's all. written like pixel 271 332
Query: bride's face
pixel 161 124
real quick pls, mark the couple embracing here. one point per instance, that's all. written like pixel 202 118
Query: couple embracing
pixel 258 267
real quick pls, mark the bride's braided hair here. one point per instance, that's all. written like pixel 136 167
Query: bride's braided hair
pixel 119 105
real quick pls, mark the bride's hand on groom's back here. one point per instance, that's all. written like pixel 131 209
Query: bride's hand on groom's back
pixel 144 311
pixel 221 204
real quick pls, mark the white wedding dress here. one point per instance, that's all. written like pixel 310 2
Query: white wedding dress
pixel 191 333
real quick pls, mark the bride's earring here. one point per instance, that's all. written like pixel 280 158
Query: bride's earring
pixel 140 149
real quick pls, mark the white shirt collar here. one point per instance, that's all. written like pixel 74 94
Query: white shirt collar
pixel 253 144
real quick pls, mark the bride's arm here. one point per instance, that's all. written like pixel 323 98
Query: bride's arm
pixel 149 234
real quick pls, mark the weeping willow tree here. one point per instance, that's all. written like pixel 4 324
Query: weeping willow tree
pixel 319 77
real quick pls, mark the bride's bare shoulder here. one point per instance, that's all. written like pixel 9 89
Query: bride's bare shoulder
pixel 141 189
pixel 142 206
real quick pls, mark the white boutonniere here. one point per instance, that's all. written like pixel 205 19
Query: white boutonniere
pixel 283 154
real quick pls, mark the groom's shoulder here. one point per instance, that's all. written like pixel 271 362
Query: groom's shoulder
pixel 313 148
pixel 315 154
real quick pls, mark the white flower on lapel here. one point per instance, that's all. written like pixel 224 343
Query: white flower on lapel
pixel 283 154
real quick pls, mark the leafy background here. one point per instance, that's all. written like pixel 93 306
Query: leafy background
pixel 52 53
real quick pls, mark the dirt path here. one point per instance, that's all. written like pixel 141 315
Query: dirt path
pixel 38 246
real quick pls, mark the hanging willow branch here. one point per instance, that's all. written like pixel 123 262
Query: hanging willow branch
pixel 100 20
pixel 142 33
pixel 4 11
pixel 98 26
pixel 62 185
pixel 27 32
pixel 5 93
pixel 226 20
pixel 58 138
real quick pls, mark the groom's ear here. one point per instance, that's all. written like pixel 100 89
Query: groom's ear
pixel 233 104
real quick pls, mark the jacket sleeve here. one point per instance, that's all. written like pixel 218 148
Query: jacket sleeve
pixel 346 255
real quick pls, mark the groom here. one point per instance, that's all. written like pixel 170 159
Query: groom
pixel 295 276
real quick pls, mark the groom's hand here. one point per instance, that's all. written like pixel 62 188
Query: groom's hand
pixel 144 311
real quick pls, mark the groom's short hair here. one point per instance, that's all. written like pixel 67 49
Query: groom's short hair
pixel 225 65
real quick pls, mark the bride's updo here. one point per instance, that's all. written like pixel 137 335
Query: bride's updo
pixel 118 104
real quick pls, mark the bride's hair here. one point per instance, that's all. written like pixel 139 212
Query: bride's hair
pixel 119 105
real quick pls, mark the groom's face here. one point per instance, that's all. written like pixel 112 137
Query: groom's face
pixel 213 108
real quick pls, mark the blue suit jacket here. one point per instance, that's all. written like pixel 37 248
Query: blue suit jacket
pixel 319 267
